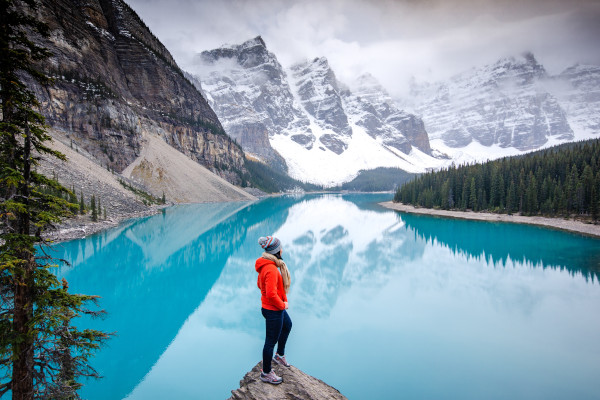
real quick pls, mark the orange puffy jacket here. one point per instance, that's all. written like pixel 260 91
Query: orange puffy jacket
pixel 270 284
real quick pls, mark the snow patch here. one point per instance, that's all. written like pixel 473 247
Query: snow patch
pixel 322 166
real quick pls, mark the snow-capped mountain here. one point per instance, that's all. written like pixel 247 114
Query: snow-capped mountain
pixel 319 95
pixel 371 107
pixel 578 90
pixel 503 104
pixel 507 108
pixel 248 89
pixel 304 120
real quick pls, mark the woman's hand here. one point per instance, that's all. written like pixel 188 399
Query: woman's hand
pixel 285 304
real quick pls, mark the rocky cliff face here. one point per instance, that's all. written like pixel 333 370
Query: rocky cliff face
pixel 373 108
pixel 114 81
pixel 248 88
pixel 306 116
pixel 319 94
pixel 505 104
pixel 296 385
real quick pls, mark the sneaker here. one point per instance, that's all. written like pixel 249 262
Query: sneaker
pixel 270 377
pixel 280 360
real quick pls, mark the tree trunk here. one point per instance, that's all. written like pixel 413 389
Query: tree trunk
pixel 22 386
pixel 22 376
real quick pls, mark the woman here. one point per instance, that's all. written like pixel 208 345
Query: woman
pixel 273 286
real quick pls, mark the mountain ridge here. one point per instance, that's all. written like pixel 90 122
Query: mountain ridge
pixel 504 108
pixel 303 114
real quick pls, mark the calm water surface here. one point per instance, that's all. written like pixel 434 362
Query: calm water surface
pixel 384 305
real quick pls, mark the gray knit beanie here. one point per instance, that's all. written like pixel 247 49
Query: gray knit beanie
pixel 270 244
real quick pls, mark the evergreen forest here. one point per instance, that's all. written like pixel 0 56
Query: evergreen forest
pixel 560 181
pixel 380 179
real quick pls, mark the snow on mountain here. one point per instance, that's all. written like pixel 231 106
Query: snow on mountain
pixel 369 105
pixel 578 90
pixel 303 120
pixel 305 116
pixel 319 95
pixel 505 104
pixel 248 89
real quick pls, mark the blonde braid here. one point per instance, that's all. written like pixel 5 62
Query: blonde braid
pixel 285 273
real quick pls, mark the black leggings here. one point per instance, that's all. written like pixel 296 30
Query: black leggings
pixel 278 327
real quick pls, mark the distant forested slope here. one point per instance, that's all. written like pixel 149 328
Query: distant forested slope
pixel 270 180
pixel 378 180
pixel 559 181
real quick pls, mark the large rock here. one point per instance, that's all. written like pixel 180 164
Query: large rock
pixel 296 385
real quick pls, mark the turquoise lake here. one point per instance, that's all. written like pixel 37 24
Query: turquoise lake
pixel 384 305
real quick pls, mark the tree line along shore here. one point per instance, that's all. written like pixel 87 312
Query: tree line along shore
pixel 561 181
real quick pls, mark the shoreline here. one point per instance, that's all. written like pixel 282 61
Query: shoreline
pixel 80 228
pixel 562 224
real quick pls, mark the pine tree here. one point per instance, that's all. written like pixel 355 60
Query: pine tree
pixel 464 198
pixel 595 198
pixel 531 202
pixel 473 195
pixel 72 196
pixel 93 208
pixel 546 182
pixel 81 203
pixel 41 354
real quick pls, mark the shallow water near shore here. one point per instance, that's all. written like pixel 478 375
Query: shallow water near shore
pixel 384 305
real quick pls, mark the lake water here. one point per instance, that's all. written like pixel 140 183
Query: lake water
pixel 384 305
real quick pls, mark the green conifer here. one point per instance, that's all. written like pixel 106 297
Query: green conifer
pixel 41 354
pixel 93 208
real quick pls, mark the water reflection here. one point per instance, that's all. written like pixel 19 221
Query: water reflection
pixel 151 278
pixel 502 242
pixel 180 289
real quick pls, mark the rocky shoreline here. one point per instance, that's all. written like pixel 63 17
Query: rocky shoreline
pixel 569 225
pixel 81 226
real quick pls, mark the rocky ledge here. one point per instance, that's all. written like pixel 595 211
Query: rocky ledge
pixel 296 385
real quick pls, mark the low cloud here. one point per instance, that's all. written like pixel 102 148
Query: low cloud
pixel 394 40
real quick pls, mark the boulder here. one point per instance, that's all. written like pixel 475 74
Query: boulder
pixel 296 385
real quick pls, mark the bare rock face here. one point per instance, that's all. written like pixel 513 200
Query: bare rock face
pixel 115 81
pixel 296 385
pixel 371 107
pixel 248 89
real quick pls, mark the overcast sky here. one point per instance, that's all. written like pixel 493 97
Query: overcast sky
pixel 393 39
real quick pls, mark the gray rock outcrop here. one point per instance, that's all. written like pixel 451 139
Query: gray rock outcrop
pixel 319 95
pixel 114 81
pixel 375 110
pixel 248 89
pixel 296 385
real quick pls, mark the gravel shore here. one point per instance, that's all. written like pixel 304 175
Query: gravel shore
pixel 554 223
pixel 82 226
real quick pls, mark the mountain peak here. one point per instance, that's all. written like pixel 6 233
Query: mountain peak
pixel 530 58
pixel 256 42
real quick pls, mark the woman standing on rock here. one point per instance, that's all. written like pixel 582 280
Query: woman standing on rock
pixel 273 286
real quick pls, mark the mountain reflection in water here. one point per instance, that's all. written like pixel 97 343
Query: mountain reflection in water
pixel 180 292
